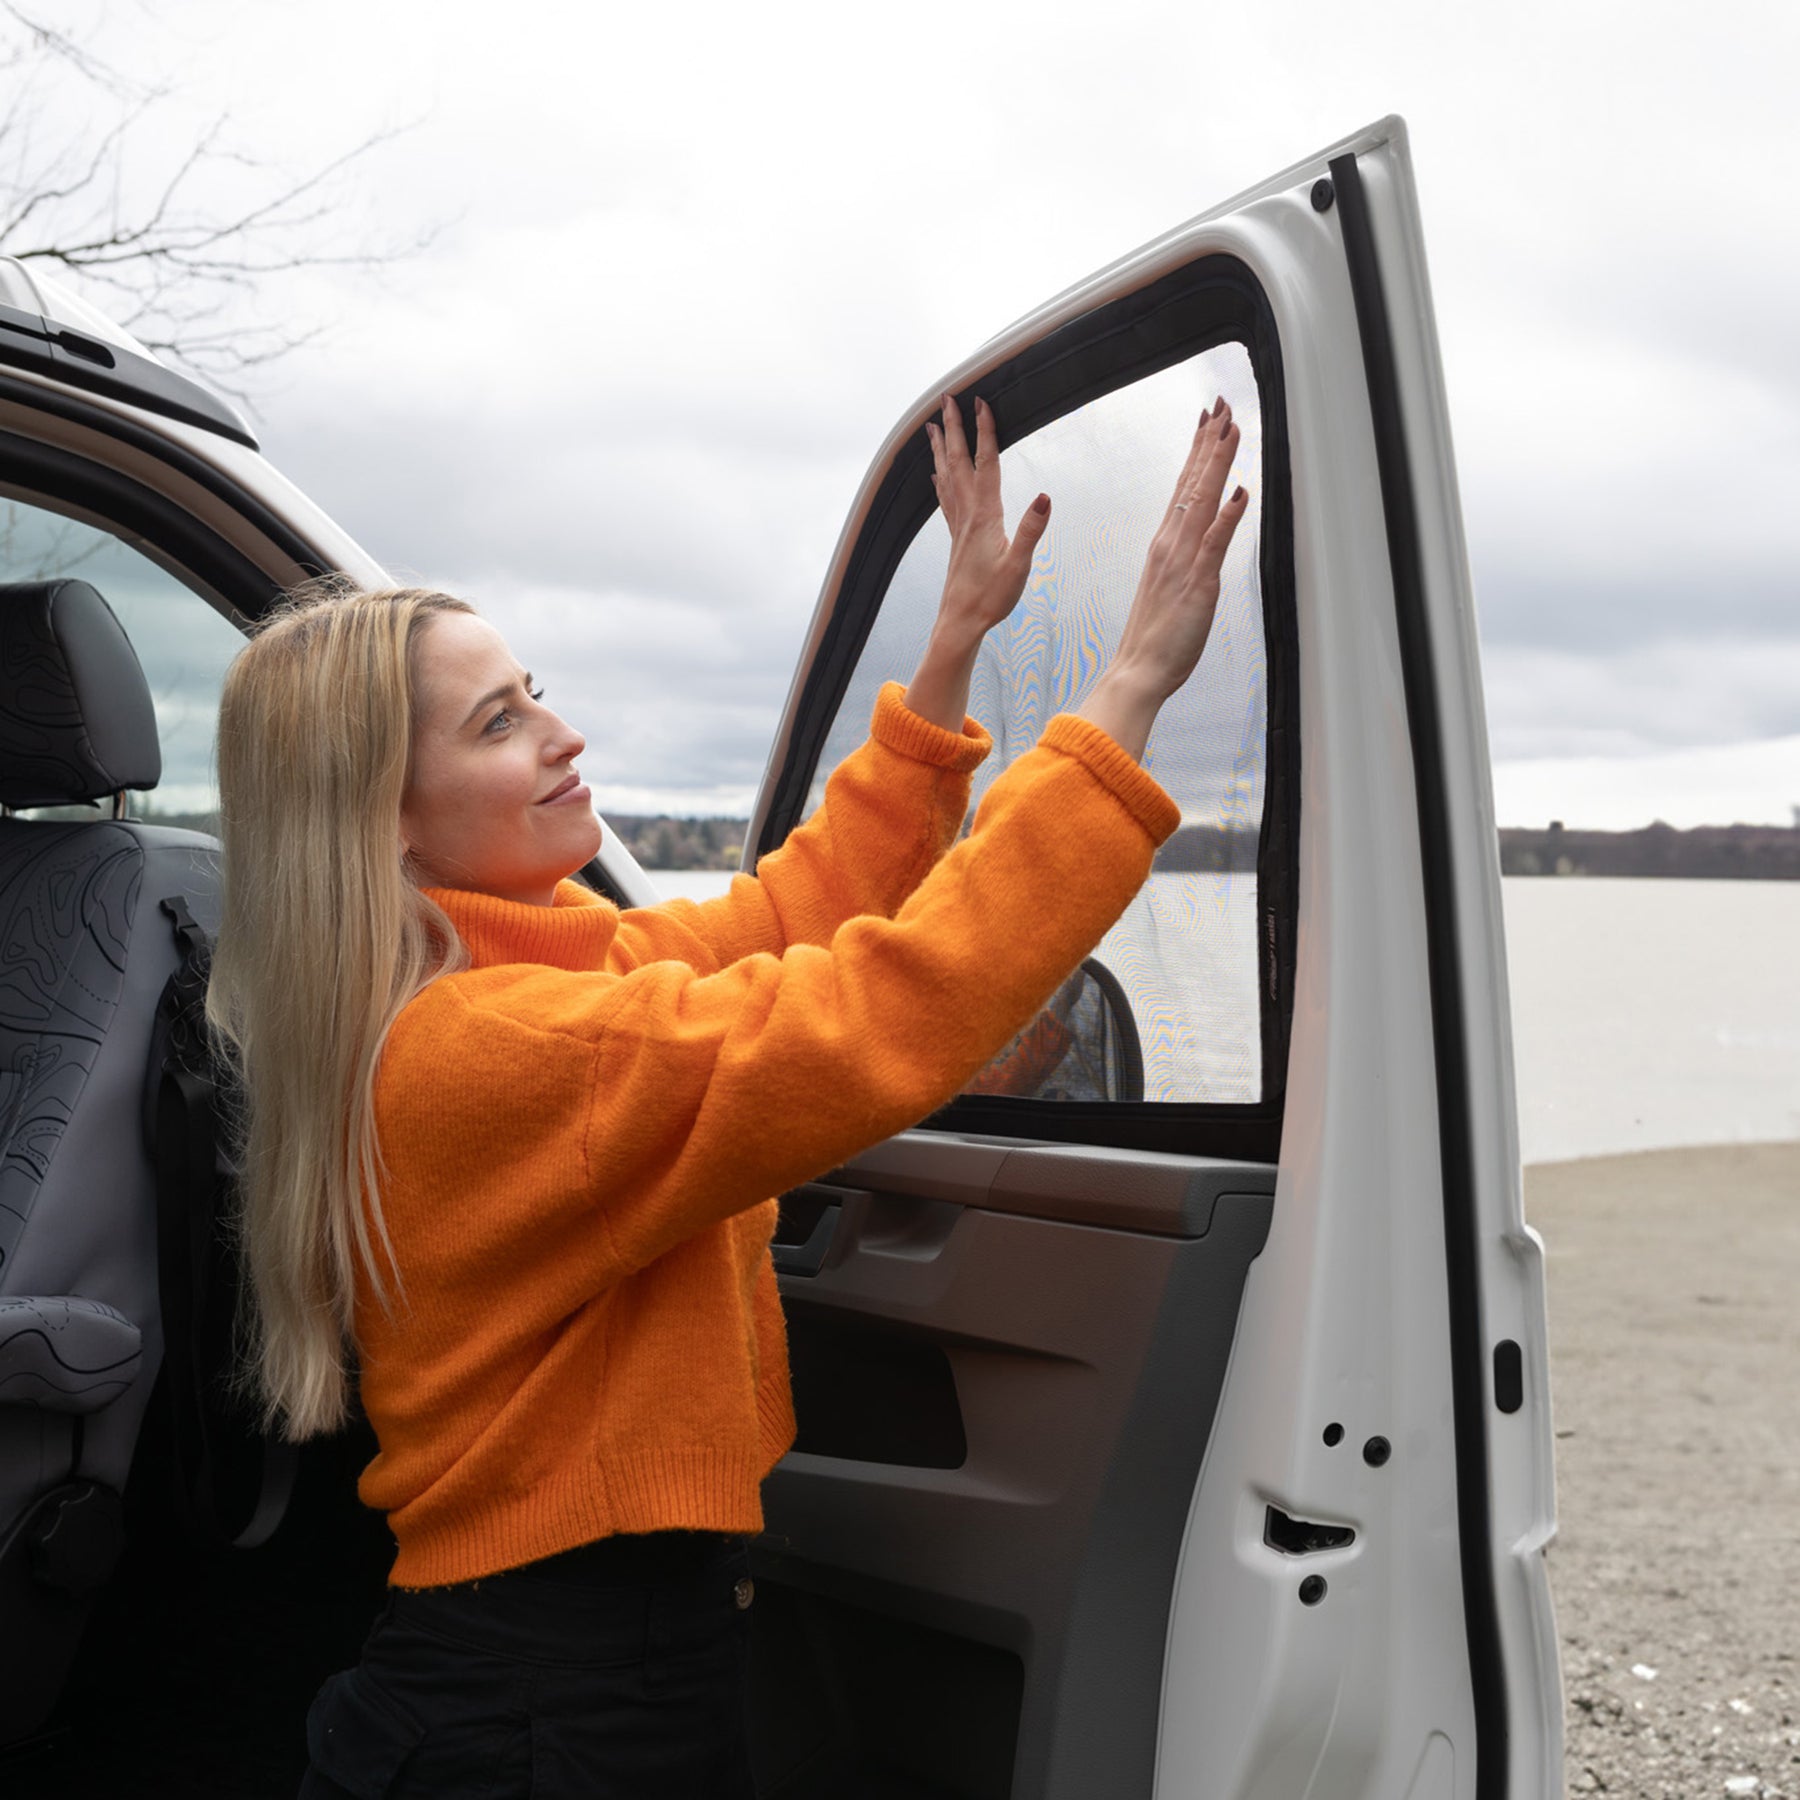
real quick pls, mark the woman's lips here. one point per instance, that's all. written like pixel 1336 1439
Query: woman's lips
pixel 572 788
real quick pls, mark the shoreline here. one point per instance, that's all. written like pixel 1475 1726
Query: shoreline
pixel 1694 1147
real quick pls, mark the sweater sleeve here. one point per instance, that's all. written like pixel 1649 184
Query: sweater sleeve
pixel 890 810
pixel 635 1110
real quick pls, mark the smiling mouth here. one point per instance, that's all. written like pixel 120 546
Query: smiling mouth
pixel 571 780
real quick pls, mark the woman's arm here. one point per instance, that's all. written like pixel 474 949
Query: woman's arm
pixel 894 807
pixel 643 1108
pixel 890 810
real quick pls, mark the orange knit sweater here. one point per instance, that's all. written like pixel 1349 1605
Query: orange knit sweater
pixel 581 1132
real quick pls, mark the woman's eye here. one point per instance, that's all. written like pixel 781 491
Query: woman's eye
pixel 503 719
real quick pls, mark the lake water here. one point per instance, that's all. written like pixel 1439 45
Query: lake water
pixel 1646 1014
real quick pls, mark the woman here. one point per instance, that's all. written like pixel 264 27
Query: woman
pixel 515 1148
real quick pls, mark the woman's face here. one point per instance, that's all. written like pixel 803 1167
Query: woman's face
pixel 494 804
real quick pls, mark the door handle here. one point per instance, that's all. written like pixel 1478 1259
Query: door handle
pixel 808 1223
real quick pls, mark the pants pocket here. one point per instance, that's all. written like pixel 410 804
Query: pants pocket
pixel 365 1742
pixel 358 1738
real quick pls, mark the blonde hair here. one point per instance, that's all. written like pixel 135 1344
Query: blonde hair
pixel 323 940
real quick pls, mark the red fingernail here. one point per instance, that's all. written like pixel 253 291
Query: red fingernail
pixel 1238 497
pixel 1041 504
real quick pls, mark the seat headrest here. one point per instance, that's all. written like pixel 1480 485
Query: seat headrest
pixel 76 718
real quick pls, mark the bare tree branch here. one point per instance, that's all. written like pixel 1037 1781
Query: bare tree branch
pixel 46 40
pixel 177 264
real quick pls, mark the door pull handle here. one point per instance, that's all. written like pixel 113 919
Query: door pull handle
pixel 803 1236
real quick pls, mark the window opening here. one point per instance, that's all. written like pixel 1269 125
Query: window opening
pixel 1183 961
pixel 182 641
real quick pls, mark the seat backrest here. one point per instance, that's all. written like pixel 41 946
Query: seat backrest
pixel 84 955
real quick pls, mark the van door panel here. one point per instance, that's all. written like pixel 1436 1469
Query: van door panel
pixel 1084 1329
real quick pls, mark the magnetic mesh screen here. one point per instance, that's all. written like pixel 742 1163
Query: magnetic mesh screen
pixel 1185 952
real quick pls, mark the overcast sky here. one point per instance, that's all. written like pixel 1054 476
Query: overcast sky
pixel 692 262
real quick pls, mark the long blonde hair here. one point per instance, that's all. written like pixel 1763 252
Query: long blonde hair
pixel 323 940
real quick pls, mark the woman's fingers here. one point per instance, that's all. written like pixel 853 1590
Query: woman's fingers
pixel 1025 540
pixel 1219 533
pixel 1209 480
pixel 956 442
pixel 965 485
pixel 987 445
pixel 1202 478
pixel 952 475
pixel 1187 468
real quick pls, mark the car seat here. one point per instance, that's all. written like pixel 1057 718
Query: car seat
pixel 85 953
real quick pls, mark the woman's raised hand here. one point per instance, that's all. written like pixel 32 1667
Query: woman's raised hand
pixel 987 570
pixel 1172 614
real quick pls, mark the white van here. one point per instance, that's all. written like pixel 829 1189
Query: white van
pixel 1174 1424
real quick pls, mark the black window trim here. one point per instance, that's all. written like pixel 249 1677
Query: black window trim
pixel 1211 301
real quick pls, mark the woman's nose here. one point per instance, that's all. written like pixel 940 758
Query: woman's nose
pixel 565 743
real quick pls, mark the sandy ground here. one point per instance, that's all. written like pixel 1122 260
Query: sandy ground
pixel 1674 1282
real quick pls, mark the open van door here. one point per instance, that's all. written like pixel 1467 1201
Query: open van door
pixel 1173 1406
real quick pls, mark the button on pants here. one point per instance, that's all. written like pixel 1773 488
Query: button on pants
pixel 612 1672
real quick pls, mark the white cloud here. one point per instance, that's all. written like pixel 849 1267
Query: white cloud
pixel 1750 783
pixel 1688 691
pixel 697 259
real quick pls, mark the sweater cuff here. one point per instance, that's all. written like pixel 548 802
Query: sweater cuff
pixel 1120 773
pixel 901 729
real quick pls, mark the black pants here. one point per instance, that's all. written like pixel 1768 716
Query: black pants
pixel 612 1670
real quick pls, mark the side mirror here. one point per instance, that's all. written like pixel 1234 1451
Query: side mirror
pixel 1083 1046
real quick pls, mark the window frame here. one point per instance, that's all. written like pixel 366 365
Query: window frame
pixel 1210 301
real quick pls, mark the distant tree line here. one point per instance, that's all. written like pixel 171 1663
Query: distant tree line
pixel 1709 852
pixel 1208 850
pixel 658 841
pixel 662 842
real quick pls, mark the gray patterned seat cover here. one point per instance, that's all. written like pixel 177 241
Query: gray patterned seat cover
pixel 84 956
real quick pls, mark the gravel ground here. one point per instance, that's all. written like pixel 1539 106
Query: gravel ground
pixel 1674 1282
